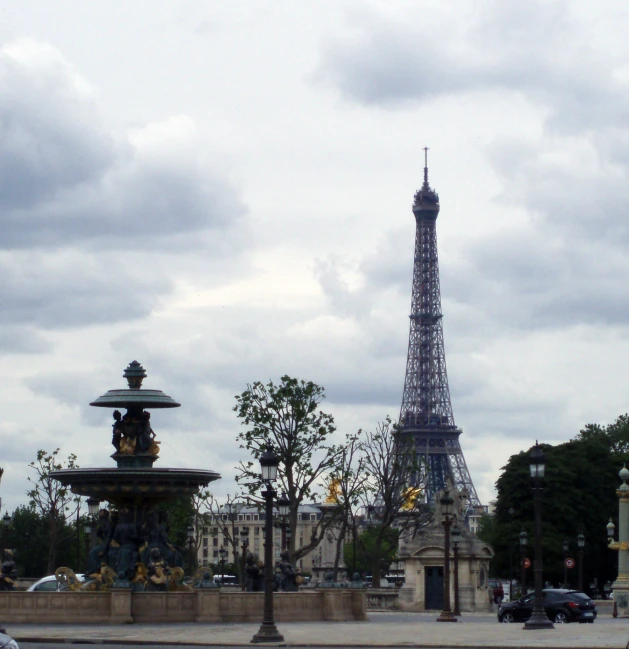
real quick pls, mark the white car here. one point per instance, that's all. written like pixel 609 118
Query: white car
pixel 7 642
pixel 48 584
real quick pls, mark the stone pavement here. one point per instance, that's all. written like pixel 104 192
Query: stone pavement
pixel 382 629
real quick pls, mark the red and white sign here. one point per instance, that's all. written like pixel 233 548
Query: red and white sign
pixel 526 563
pixel 569 563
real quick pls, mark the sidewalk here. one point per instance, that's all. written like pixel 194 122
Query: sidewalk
pixel 414 630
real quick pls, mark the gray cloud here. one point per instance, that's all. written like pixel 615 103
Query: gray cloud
pixel 70 288
pixel 50 135
pixel 543 50
pixel 22 340
pixel 65 180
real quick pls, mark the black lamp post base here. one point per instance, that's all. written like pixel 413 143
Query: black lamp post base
pixel 268 633
pixel 538 620
pixel 447 616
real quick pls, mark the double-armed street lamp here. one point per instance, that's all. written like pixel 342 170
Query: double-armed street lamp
pixel 524 539
pixel 456 540
pixel 268 632
pixel 447 506
pixel 538 619
pixel 581 546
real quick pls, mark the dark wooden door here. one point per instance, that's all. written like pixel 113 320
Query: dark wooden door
pixel 434 588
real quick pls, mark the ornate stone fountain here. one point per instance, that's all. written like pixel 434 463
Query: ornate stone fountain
pixel 134 549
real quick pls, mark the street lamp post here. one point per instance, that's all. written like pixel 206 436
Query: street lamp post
pixel 611 528
pixel 511 513
pixel 92 509
pixel 354 543
pixel 289 536
pixel 87 533
pixel 456 540
pixel 6 521
pixel 581 545
pixel 565 549
pixel 244 537
pixel 538 619
pixel 191 549
pixel 268 467
pixel 283 507
pixel 523 543
pixel 222 553
pixel 447 503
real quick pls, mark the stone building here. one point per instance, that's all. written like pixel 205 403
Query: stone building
pixel 230 523
pixel 422 552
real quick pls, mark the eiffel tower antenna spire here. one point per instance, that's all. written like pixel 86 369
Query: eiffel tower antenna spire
pixel 426 185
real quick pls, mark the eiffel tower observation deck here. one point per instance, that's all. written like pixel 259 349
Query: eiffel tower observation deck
pixel 426 412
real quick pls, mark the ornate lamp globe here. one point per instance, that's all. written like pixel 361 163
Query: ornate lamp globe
pixel 92 506
pixel 447 504
pixel 456 535
pixel 523 539
pixel 581 541
pixel 268 465
pixel 611 529
pixel 537 462
pixel 283 505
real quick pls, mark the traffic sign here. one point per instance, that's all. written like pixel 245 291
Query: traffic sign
pixel 526 563
pixel 569 563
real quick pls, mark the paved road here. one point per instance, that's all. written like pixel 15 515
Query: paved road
pixel 52 645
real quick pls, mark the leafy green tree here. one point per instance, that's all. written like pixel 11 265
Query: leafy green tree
pixel 377 545
pixel 287 417
pixel 579 495
pixel 28 534
pixel 53 501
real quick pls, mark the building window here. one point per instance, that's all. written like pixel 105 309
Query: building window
pixel 215 554
pixel 256 531
pixel 205 553
pixel 205 541
pixel 215 541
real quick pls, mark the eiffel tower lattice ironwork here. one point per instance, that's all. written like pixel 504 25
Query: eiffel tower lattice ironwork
pixel 426 412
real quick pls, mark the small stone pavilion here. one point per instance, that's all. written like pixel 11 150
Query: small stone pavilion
pixel 422 551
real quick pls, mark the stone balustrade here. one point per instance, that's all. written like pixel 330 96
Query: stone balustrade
pixel 212 605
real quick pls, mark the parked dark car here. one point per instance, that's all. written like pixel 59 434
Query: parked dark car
pixel 498 590
pixel 561 605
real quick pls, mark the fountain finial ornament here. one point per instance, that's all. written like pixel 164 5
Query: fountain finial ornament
pixel 134 374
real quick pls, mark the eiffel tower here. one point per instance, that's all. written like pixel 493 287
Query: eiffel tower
pixel 426 413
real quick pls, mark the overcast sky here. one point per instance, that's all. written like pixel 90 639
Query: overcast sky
pixel 223 190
